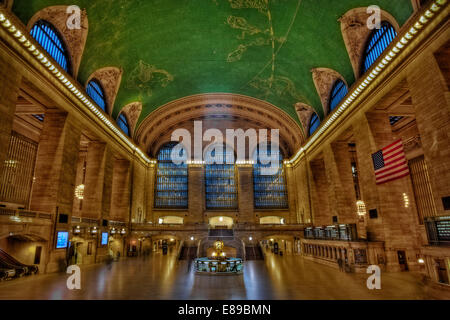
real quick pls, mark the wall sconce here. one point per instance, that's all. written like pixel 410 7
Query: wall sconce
pixel 421 261
pixel 406 200
pixel 79 192
pixel 361 208
pixel 250 238
pixel 192 238
pixel 160 221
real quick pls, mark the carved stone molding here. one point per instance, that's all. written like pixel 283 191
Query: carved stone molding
pixel 412 144
pixel 324 79
pixel 110 79
pixel 304 112
pixel 356 33
pixel 132 111
pixel 221 111
pixel 74 40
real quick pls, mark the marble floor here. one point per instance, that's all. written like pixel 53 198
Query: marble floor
pixel 163 277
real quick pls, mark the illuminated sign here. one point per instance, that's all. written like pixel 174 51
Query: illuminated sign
pixel 62 239
pixel 104 238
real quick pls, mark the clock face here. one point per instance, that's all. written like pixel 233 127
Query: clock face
pixel 219 245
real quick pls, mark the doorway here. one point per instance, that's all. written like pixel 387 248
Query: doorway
pixel 37 255
pixel 441 270
pixel 402 261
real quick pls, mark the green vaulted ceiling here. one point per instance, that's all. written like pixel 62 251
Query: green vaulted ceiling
pixel 170 49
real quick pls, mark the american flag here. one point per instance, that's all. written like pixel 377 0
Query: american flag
pixel 390 163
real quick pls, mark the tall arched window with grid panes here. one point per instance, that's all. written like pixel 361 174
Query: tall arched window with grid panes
pixel 378 41
pixel 269 183
pixel 314 124
pixel 123 124
pixel 220 179
pixel 95 90
pixel 49 38
pixel 171 191
pixel 338 92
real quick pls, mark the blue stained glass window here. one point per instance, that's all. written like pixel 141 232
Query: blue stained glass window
pixel 171 180
pixel 377 43
pixel 314 124
pixel 269 191
pixel 123 124
pixel 220 181
pixel 95 91
pixel 49 38
pixel 338 93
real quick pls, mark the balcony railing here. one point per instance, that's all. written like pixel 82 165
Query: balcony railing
pixel 342 232
pixel 25 214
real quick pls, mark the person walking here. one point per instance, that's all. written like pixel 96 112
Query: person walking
pixel 341 264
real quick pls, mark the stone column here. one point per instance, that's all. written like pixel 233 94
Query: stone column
pixel 10 81
pixel 55 176
pixel 121 191
pixel 245 194
pixel 196 193
pixel 431 100
pixel 395 224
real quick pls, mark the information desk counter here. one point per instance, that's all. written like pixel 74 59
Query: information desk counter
pixel 219 267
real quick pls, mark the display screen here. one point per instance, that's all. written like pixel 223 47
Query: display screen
pixel 62 239
pixel 104 238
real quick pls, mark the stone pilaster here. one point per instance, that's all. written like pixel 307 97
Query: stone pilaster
pixel 121 191
pixel 139 187
pixel 56 164
pixel 55 173
pixel 302 192
pixel 339 176
pixel 291 185
pixel 431 101
pixel 245 194
pixel 150 194
pixel 98 186
pixel 9 87
pixel 319 188
pixel 196 193
pixel 396 223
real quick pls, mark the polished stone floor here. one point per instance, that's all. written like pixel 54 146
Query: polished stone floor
pixel 163 277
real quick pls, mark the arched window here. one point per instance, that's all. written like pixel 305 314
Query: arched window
pixel 48 37
pixel 338 93
pixel 314 123
pixel 123 124
pixel 269 185
pixel 171 190
pixel 95 91
pixel 220 180
pixel 378 41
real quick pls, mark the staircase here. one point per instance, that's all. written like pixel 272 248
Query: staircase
pixel 188 253
pixel 254 253
pixel 220 233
